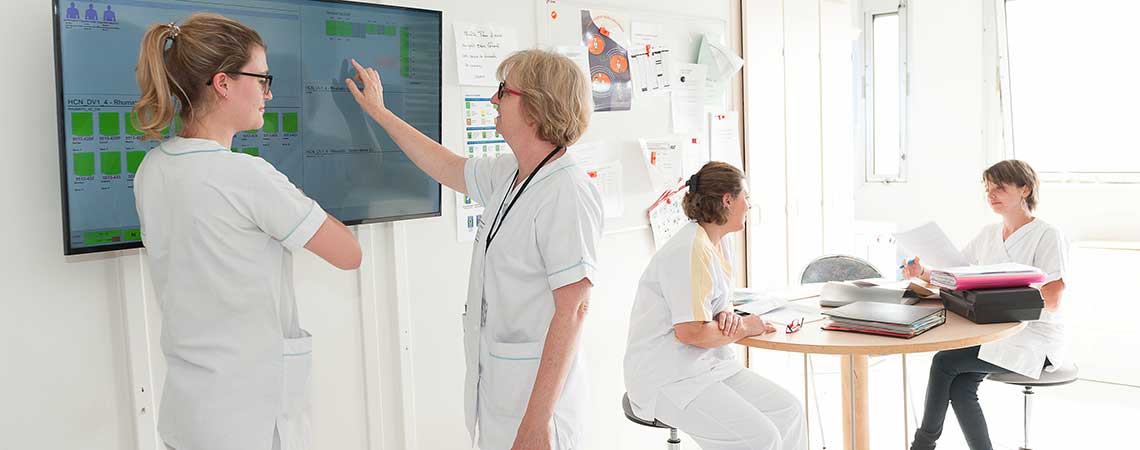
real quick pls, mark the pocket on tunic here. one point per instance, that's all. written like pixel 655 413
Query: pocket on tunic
pixel 293 427
pixel 510 375
pixel 298 356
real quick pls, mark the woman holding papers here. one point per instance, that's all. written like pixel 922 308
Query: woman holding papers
pixel 679 365
pixel 1012 192
pixel 534 258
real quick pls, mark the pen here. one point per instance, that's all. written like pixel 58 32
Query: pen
pixel 907 263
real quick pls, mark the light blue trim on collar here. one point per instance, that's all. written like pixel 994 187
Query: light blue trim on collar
pixel 192 151
pixel 565 162
pixel 203 149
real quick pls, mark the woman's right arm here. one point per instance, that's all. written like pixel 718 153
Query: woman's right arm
pixel 431 157
pixel 336 244
pixel 914 269
pixel 709 335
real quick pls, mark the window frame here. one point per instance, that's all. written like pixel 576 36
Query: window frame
pixel 871 9
pixel 1006 140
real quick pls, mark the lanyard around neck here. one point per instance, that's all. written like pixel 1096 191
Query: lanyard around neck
pixel 501 215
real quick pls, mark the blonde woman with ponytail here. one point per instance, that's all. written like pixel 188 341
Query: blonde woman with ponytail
pixel 219 229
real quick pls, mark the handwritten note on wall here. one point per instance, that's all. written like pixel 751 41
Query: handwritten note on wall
pixel 479 49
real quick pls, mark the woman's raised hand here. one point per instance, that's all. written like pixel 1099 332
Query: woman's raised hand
pixel 371 96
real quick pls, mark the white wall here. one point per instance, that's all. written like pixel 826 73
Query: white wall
pixel 799 97
pixel 65 376
pixel 946 153
pixel 62 379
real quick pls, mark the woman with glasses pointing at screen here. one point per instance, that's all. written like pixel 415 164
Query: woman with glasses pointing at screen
pixel 219 230
pixel 533 261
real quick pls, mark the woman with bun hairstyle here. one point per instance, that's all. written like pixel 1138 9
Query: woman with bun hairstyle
pixel 680 367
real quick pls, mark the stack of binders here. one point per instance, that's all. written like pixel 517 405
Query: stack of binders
pixel 886 319
pixel 987 276
pixel 991 294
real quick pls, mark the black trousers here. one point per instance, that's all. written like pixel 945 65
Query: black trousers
pixel 954 379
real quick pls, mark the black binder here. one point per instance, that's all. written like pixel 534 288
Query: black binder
pixel 995 305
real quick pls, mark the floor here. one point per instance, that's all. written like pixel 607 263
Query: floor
pixel 1085 414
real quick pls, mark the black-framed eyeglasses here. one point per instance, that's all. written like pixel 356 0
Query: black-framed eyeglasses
pixel 503 89
pixel 266 79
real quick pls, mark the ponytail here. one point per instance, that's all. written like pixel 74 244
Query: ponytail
pixel 155 108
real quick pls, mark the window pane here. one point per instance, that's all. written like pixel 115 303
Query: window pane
pixel 1073 77
pixel 886 87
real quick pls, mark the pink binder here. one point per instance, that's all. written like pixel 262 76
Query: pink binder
pixel 961 283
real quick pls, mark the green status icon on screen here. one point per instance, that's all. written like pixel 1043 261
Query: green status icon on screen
pixel 102 237
pixel 270 125
pixel 82 124
pixel 83 164
pixel 110 163
pixel 130 124
pixel 289 122
pixel 109 124
pixel 134 159
pixel 250 151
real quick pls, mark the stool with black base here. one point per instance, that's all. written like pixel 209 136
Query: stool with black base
pixel 674 443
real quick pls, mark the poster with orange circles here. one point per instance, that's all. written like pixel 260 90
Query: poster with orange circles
pixel 610 81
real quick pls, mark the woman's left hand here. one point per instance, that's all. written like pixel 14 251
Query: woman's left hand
pixel 728 322
pixel 532 437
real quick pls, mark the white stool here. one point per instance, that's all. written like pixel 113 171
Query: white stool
pixel 1064 375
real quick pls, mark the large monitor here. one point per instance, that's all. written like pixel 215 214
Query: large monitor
pixel 314 131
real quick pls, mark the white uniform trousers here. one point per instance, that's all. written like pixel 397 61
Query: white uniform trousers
pixel 745 411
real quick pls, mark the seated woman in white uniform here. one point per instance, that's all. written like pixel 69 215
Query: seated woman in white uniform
pixel 680 367
pixel 219 229
pixel 1011 189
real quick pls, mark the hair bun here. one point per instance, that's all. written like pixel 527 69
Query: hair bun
pixel 693 182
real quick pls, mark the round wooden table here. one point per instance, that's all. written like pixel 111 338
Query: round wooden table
pixel 957 332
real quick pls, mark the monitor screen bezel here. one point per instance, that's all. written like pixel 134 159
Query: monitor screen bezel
pixel 68 249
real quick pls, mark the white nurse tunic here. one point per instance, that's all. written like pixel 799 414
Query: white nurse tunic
pixel 687 280
pixel 549 240
pixel 218 228
pixel 1040 245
